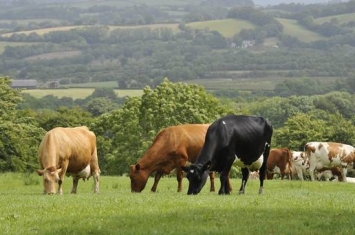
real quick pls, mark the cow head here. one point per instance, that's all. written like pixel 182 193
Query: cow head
pixel 50 179
pixel 138 177
pixel 197 176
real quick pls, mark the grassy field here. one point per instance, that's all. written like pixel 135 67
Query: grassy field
pixel 344 18
pixel 226 27
pixel 292 28
pixel 287 207
pixel 77 93
pixel 173 26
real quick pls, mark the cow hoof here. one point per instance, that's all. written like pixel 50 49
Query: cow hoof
pixel 241 192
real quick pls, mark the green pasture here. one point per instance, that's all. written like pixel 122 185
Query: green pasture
pixel 344 18
pixel 77 93
pixel 173 26
pixel 226 27
pixel 292 28
pixel 286 207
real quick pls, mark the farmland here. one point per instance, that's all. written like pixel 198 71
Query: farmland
pixel 227 27
pixel 292 28
pixel 287 207
pixel 77 93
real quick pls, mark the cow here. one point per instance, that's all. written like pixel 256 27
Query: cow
pixel 71 152
pixel 299 165
pixel 280 158
pixel 328 174
pixel 172 148
pixel 329 155
pixel 232 139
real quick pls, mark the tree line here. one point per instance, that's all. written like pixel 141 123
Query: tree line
pixel 126 132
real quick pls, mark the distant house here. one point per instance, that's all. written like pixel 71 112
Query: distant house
pixel 28 84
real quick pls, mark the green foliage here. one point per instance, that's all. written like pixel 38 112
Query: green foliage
pixel 9 98
pixel 130 130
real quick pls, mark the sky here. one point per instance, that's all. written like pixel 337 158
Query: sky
pixel 275 2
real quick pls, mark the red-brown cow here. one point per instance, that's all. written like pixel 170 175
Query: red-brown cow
pixel 172 148
pixel 71 152
pixel 281 158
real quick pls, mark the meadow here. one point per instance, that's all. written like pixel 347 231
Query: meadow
pixel 77 93
pixel 292 28
pixel 286 207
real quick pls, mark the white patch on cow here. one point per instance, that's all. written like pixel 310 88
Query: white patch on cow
pixel 84 174
pixel 224 122
pixel 252 167
pixel 191 171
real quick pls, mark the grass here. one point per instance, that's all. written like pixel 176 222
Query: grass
pixel 77 93
pixel 173 26
pixel 287 207
pixel 292 28
pixel 343 18
pixel 226 27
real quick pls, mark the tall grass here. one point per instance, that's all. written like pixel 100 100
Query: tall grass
pixel 287 207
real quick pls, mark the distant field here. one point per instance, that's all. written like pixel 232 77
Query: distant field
pixel 344 18
pixel 174 27
pixel 54 55
pixel 43 31
pixel 77 93
pixel 292 28
pixel 227 27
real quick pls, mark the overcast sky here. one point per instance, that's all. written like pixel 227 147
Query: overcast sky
pixel 275 2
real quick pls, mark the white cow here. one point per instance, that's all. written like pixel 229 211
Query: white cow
pixel 299 165
pixel 329 155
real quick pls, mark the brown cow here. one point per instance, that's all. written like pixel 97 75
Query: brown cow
pixel 71 152
pixel 281 158
pixel 172 148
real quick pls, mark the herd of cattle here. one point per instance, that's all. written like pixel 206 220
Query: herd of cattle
pixel 200 150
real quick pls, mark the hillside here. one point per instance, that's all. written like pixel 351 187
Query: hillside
pixel 136 45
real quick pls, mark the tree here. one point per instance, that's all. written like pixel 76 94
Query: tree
pixel 19 138
pixel 129 131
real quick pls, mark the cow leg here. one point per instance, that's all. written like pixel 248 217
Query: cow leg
pixel 75 185
pixel 311 171
pixel 211 174
pixel 344 170
pixel 262 172
pixel 61 177
pixel 157 177
pixel 179 177
pixel 245 176
pixel 96 177
pixel 224 177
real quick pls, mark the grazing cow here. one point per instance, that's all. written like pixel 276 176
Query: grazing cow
pixel 172 148
pixel 242 140
pixel 71 152
pixel 299 165
pixel 282 159
pixel 328 174
pixel 329 155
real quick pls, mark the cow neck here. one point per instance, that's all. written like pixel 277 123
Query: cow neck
pixel 48 152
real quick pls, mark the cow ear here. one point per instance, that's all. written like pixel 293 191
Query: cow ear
pixel 207 166
pixel 138 167
pixel 40 172
pixel 57 171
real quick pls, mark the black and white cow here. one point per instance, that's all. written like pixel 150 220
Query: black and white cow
pixel 234 139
